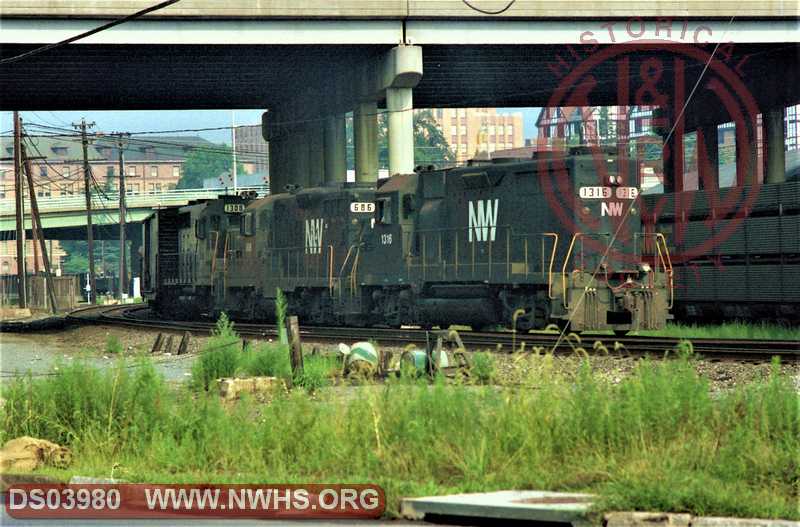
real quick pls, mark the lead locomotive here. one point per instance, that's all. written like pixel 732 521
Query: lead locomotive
pixel 528 243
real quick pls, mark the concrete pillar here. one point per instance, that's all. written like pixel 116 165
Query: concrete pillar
pixel 365 132
pixel 335 144
pixel 774 146
pixel 673 161
pixel 274 133
pixel 399 104
pixel 315 132
pixel 298 165
pixel 746 151
pixel 708 157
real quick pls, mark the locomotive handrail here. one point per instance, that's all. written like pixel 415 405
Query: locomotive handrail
pixel 565 299
pixel 667 266
pixel 552 261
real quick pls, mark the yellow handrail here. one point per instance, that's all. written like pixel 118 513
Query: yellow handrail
pixel 565 300
pixel 552 261
pixel 667 266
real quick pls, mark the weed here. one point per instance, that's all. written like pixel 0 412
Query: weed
pixel 281 307
pixel 113 345
pixel 482 367
pixel 267 360
pixel 317 372
pixel 220 357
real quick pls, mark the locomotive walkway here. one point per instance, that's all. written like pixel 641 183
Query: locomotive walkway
pixel 502 342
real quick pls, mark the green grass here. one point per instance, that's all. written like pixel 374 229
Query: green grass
pixel 658 440
pixel 729 330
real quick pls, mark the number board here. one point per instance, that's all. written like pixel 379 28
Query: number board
pixel 362 206
pixel 594 192
pixel 234 208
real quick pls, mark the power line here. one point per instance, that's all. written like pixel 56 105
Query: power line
pixel 89 33
pixel 485 12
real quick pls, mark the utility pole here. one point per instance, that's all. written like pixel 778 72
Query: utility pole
pixel 123 264
pixel 36 225
pixel 87 189
pixel 22 292
pixel 233 142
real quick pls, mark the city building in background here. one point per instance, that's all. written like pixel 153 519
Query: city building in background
pixel 251 144
pixel 598 125
pixel 151 166
pixel 477 132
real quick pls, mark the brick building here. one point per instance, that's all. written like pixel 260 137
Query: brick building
pixel 151 165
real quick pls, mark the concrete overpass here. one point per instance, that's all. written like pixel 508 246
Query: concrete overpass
pixel 64 218
pixel 310 62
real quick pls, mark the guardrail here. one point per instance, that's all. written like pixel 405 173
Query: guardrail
pixel 110 200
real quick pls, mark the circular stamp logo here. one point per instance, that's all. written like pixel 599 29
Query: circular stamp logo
pixel 669 95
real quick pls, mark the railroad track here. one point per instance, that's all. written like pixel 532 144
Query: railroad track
pixel 721 349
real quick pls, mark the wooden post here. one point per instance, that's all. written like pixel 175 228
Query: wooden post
pixel 87 190
pixel 295 346
pixel 36 224
pixel 22 288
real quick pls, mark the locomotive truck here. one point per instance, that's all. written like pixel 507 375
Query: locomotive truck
pixel 555 239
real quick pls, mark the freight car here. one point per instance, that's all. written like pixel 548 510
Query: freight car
pixel 525 244
pixel 737 251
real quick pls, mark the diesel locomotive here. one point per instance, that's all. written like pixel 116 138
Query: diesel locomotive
pixel 555 239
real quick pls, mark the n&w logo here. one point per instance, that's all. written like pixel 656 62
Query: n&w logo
pixel 314 236
pixel 483 219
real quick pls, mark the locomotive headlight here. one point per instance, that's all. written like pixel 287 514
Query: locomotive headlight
pixel 645 267
pixel 612 179
pixel 586 211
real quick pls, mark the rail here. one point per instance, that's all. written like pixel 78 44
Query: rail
pixel 110 200
pixel 508 342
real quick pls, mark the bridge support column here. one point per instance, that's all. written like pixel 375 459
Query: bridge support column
pixel 315 145
pixel 297 172
pixel 774 146
pixel 276 136
pixel 746 152
pixel 335 143
pixel 707 157
pixel 673 162
pixel 399 103
pixel 365 136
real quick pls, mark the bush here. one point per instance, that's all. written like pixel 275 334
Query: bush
pixel 268 360
pixel 220 357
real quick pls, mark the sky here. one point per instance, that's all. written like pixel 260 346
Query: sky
pixel 139 121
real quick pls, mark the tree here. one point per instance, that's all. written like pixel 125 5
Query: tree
pixel 202 164
pixel 430 145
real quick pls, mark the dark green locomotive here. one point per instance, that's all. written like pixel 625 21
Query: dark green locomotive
pixel 523 244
